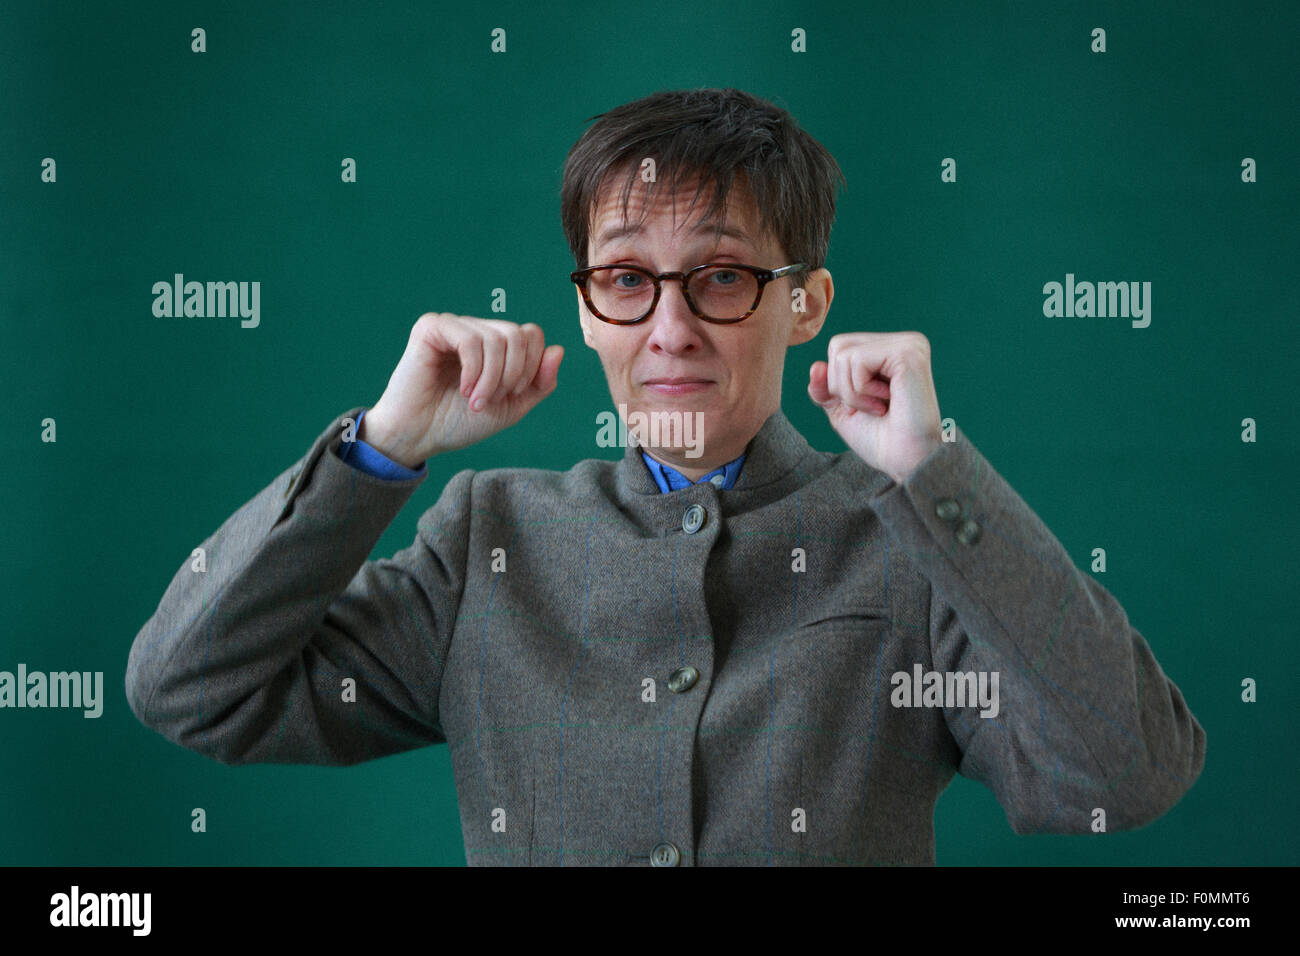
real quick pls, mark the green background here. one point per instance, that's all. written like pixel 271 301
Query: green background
pixel 225 166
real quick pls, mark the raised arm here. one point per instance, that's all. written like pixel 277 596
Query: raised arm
pixel 290 647
pixel 280 643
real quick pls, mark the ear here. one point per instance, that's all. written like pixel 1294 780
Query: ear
pixel 818 291
pixel 584 319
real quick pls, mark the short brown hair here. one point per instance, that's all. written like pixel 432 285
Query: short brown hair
pixel 712 134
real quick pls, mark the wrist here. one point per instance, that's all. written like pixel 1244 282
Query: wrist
pixel 915 461
pixel 375 432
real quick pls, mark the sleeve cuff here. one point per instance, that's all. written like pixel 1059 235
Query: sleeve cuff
pixel 375 463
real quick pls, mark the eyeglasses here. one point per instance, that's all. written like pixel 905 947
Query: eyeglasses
pixel 719 292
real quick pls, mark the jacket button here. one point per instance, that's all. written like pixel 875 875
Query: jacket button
pixel 665 854
pixel 968 532
pixel 693 519
pixel 947 509
pixel 683 679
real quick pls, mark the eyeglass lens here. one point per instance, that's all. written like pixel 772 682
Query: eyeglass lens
pixel 719 292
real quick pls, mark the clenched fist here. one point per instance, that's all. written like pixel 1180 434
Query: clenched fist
pixel 460 380
pixel 878 391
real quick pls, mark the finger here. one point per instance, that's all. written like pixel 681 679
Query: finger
pixel 516 351
pixel 872 406
pixel 820 392
pixel 865 378
pixel 544 382
pixel 817 388
pixel 494 360
pixel 548 370
pixel 842 369
pixel 833 374
pixel 452 336
pixel 534 343
pixel 864 387
pixel 471 363
pixel 878 388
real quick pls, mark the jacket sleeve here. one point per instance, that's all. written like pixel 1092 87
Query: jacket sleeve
pixel 1086 719
pixel 280 643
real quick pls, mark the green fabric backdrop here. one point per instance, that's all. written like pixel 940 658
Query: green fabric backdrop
pixel 225 165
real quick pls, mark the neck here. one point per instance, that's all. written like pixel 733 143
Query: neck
pixel 696 467
pixel 692 468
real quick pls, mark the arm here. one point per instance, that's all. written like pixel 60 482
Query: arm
pixel 1086 716
pixel 245 661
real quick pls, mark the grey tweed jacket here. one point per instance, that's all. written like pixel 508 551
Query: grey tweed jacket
pixel 701 677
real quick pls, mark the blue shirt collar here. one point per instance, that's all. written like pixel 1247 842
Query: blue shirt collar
pixel 670 479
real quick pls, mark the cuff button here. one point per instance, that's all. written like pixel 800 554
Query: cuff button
pixel 948 509
pixel 968 532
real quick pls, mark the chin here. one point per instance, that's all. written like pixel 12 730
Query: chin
pixel 671 427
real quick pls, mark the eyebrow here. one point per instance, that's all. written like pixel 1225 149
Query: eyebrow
pixel 612 233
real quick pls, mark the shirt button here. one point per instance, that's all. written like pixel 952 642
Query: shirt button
pixel 717 481
pixel 665 854
pixel 693 519
pixel 948 509
pixel 968 532
pixel 683 679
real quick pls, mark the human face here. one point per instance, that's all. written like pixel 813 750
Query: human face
pixel 674 361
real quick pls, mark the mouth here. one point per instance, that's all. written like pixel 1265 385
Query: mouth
pixel 677 386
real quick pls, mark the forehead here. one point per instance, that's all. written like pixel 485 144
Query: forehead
pixel 671 210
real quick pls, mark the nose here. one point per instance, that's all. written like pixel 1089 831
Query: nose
pixel 675 328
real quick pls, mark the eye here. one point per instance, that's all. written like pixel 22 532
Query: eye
pixel 638 280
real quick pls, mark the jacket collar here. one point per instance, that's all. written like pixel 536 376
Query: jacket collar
pixel 778 459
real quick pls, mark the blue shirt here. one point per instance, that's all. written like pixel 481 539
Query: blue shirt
pixel 669 478
pixel 369 459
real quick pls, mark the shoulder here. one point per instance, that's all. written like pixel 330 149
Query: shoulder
pixel 586 479
pixel 844 472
